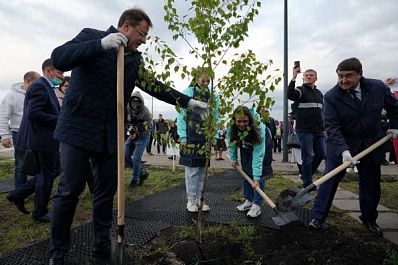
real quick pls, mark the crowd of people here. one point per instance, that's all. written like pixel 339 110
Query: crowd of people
pixel 69 125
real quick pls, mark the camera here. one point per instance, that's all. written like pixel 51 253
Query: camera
pixel 297 65
pixel 131 129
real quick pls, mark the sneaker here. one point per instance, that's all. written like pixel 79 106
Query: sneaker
pixel 254 211
pixel 192 207
pixel 245 206
pixel 205 207
pixel 315 225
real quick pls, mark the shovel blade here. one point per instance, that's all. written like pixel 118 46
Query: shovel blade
pixel 292 198
pixel 283 219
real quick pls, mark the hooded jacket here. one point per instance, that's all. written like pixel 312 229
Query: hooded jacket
pixel 11 110
pixel 141 120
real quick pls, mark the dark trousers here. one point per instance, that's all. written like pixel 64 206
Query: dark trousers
pixel 149 145
pixel 74 166
pixel 162 142
pixel 277 144
pixel 19 155
pixel 42 183
pixel 369 190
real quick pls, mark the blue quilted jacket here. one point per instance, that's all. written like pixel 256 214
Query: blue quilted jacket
pixel 88 114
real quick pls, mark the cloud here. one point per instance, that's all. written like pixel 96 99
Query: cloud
pixel 321 34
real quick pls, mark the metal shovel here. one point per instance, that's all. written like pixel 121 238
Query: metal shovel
pixel 293 198
pixel 281 219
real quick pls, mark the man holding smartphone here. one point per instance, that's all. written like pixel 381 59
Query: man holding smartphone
pixel 309 121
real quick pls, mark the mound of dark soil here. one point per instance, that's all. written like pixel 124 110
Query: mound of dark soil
pixel 294 244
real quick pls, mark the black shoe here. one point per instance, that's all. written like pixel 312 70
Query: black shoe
pixel 20 203
pixel 143 177
pixel 133 185
pixel 373 228
pixel 221 158
pixel 56 261
pixel 385 163
pixel 43 219
pixel 315 225
pixel 101 252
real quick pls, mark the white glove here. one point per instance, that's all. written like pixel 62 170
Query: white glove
pixel 394 133
pixel 196 104
pixel 113 41
pixel 347 157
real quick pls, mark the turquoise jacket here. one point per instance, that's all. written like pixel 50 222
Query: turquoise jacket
pixel 190 129
pixel 253 158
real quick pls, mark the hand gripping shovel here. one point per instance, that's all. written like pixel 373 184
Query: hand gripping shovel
pixel 280 219
pixel 293 198
pixel 119 253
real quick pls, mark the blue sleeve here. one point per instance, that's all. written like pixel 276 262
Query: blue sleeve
pixel 232 149
pixel 259 153
pixel 181 118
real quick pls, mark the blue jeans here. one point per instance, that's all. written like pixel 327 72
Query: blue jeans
pixel 252 195
pixel 128 152
pixel 312 154
pixel 194 180
pixel 135 158
pixel 19 156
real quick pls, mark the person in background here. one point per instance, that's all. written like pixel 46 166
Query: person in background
pixel 220 145
pixel 277 140
pixel 61 90
pixel 161 134
pixel 87 125
pixel 149 145
pixel 174 139
pixel 192 134
pixel 40 115
pixel 139 121
pixel 254 140
pixel 11 110
pixel 353 123
pixel 269 121
pixel 309 122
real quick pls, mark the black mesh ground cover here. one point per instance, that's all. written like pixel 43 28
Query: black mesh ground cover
pixel 6 185
pixel 146 218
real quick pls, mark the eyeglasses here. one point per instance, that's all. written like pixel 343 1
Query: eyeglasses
pixel 142 34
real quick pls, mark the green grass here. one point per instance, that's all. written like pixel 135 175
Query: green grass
pixel 6 168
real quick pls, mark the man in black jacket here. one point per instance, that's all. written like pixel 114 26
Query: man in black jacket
pixel 87 123
pixel 309 122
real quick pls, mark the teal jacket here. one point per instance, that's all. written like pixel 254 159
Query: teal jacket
pixel 255 158
pixel 190 129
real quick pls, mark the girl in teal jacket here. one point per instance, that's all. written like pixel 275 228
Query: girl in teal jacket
pixel 192 135
pixel 253 139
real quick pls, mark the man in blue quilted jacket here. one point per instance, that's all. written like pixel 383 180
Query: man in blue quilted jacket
pixel 87 123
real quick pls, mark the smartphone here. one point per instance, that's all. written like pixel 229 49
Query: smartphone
pixel 297 64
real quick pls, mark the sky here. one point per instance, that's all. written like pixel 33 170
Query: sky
pixel 321 33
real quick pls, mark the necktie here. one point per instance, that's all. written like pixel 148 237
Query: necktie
pixel 357 101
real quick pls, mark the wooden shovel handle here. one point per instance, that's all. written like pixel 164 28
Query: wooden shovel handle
pixel 266 198
pixel 348 163
pixel 120 136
